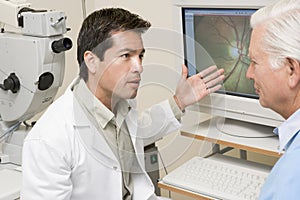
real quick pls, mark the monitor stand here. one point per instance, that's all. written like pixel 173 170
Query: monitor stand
pixel 243 129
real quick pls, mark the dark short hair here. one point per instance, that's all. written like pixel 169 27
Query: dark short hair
pixel 99 26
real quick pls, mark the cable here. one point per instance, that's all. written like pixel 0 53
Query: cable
pixel 9 131
pixel 162 162
pixel 165 169
pixel 83 4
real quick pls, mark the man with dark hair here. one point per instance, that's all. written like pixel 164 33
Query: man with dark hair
pixel 89 144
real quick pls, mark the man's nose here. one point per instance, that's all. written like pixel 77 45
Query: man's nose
pixel 137 65
pixel 249 73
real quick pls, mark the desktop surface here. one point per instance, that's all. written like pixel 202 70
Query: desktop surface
pixel 202 126
pixel 10 184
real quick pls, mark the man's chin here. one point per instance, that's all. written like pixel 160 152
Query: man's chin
pixel 133 95
pixel 262 103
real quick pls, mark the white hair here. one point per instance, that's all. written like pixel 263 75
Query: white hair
pixel 281 39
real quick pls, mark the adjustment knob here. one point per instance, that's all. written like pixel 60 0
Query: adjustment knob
pixel 45 81
pixel 11 83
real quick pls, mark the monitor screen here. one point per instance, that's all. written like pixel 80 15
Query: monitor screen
pixel 220 36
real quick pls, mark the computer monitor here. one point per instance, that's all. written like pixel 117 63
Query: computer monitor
pixel 219 34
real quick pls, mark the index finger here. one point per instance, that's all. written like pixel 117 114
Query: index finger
pixel 207 71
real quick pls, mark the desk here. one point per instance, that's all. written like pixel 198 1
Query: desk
pixel 198 126
pixel 10 182
pixel 182 191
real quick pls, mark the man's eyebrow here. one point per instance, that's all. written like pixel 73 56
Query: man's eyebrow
pixel 131 50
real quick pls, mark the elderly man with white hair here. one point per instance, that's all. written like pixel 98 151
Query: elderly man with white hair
pixel 275 68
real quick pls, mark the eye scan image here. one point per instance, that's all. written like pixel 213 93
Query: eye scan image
pixel 226 39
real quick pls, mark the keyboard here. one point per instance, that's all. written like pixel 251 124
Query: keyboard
pixel 220 178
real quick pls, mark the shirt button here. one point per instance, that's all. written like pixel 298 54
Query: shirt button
pixel 115 168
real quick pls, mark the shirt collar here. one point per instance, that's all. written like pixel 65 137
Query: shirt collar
pixel 122 110
pixel 287 130
pixel 98 110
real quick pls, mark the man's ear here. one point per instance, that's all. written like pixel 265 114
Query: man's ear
pixel 90 60
pixel 294 72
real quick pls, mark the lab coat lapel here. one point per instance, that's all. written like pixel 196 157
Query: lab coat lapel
pixel 93 141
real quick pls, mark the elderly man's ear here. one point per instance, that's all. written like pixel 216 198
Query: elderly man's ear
pixel 294 72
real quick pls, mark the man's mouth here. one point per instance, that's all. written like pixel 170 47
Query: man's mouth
pixel 135 82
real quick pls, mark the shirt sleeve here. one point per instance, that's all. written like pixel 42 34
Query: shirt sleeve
pixel 175 109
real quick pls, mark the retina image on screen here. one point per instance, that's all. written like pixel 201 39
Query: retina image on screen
pixel 221 37
pixel 225 36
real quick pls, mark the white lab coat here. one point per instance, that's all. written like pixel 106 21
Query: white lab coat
pixel 65 157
